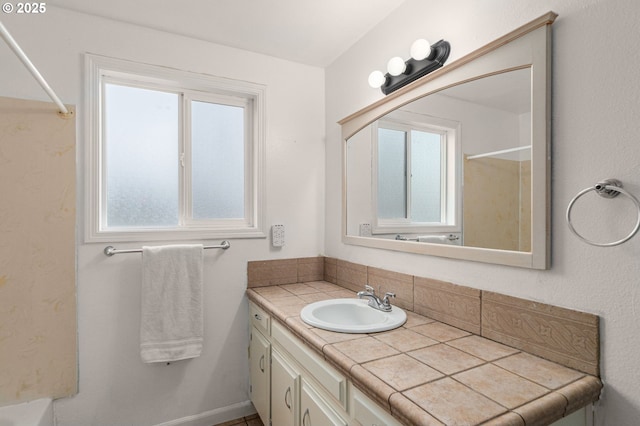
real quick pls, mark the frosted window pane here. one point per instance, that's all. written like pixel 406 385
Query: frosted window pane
pixel 426 175
pixel 141 152
pixel 392 184
pixel 218 160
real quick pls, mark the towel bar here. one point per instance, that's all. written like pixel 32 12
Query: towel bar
pixel 110 250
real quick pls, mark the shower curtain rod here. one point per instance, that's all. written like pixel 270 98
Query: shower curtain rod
pixel 502 151
pixel 32 69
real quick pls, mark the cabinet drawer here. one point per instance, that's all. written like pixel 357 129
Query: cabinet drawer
pixel 367 413
pixel 332 381
pixel 315 411
pixel 259 318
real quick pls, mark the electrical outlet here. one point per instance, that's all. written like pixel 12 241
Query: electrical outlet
pixel 365 230
pixel 277 235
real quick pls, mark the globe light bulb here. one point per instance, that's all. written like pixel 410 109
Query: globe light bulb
pixel 396 66
pixel 376 79
pixel 420 49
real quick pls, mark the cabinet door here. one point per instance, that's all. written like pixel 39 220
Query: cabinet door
pixel 315 411
pixel 259 350
pixel 284 391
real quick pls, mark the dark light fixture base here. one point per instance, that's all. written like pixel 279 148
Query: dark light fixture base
pixel 416 69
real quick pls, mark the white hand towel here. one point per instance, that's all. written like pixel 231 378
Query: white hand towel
pixel 433 239
pixel 171 326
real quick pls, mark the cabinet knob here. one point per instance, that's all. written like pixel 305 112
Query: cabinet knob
pixel 258 317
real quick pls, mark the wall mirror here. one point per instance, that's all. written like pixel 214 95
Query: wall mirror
pixel 456 164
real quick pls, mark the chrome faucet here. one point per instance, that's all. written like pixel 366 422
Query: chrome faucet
pixel 374 301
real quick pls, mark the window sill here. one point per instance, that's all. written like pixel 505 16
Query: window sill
pixel 157 234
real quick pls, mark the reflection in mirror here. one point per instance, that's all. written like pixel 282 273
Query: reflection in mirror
pixel 453 167
pixel 456 164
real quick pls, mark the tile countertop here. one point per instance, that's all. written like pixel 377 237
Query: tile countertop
pixel 430 373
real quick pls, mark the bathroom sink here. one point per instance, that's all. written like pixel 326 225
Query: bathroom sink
pixel 351 316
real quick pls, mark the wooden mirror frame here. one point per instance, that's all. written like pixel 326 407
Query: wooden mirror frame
pixel 526 47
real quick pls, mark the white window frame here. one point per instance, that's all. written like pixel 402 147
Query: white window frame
pixel 451 173
pixel 194 87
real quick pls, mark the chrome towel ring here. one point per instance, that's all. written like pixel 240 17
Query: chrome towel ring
pixel 609 188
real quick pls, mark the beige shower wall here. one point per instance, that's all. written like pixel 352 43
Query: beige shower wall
pixel 497 204
pixel 37 252
pixel 525 205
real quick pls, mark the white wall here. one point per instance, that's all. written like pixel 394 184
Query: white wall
pixel 596 87
pixel 115 386
pixel 595 128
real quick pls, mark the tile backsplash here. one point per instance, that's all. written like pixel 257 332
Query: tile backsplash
pixel 568 337
pixel 286 271
pixel 562 335
pixel 453 304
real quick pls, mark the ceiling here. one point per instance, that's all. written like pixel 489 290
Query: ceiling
pixel 313 32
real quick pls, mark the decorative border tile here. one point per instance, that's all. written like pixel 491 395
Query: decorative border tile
pixel 452 304
pixel 568 337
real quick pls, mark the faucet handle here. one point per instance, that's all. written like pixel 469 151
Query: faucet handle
pixel 387 295
pixel 370 289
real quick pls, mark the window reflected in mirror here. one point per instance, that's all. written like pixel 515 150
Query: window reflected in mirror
pixel 453 167
pixel 409 174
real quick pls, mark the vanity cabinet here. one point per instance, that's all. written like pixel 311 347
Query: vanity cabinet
pixel 291 385
pixel 298 387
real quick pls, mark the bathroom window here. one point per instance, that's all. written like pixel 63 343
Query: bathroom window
pixel 415 175
pixel 172 155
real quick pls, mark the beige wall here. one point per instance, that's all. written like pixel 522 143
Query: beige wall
pixel 525 205
pixel 37 252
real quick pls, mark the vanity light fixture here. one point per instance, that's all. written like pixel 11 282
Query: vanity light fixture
pixel 425 58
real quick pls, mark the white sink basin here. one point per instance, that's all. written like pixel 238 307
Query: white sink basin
pixel 351 316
